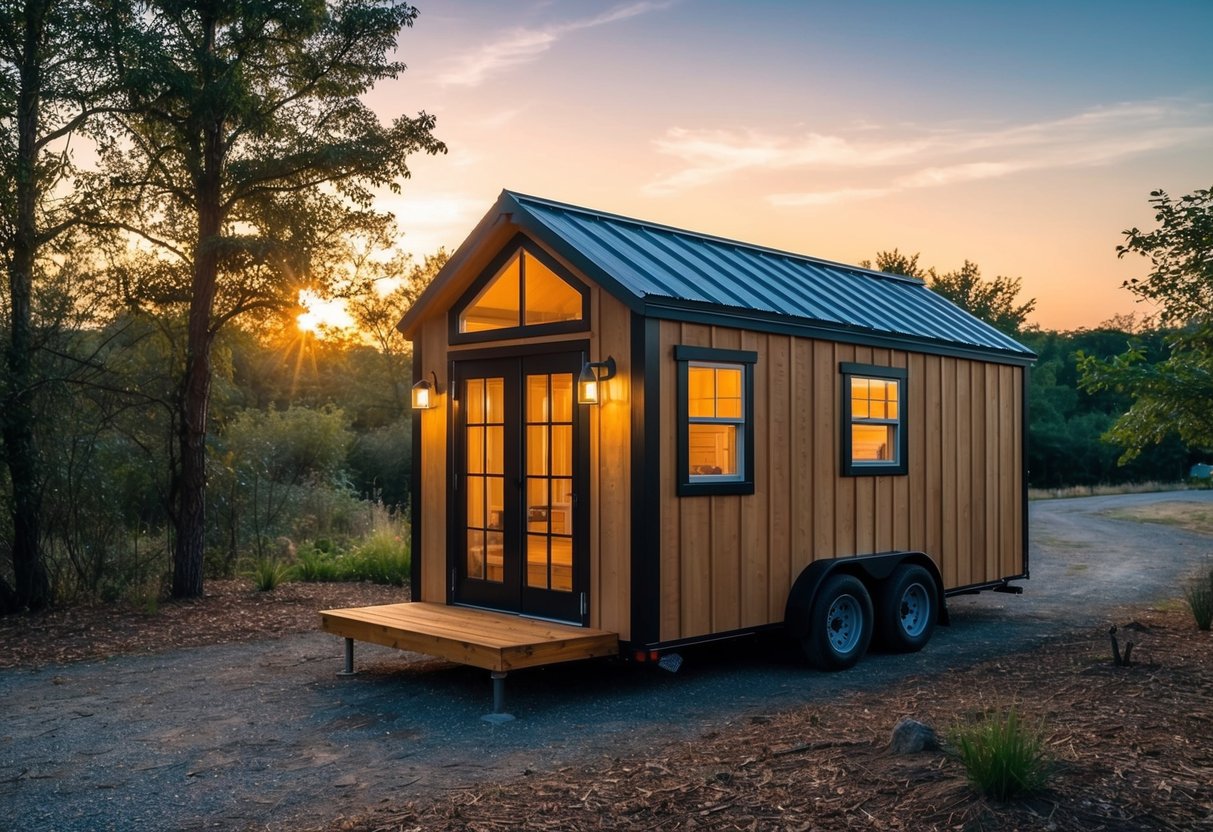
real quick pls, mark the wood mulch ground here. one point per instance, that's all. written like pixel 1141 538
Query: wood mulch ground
pixel 230 611
pixel 1131 749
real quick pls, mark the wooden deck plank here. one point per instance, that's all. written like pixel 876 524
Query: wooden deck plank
pixel 490 630
pixel 480 638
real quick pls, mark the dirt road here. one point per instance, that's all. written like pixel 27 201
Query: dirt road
pixel 265 735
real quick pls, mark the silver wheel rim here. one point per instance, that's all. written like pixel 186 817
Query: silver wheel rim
pixel 844 623
pixel 914 609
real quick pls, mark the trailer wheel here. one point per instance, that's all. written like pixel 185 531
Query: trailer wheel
pixel 840 624
pixel 907 606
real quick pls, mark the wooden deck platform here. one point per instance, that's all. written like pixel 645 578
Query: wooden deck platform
pixel 490 640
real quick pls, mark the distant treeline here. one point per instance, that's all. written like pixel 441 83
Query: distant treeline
pixel 1065 424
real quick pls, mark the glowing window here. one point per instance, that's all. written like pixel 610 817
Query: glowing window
pixel 874 432
pixel 522 293
pixel 716 407
pixel 496 307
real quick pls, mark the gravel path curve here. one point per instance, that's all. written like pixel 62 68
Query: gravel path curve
pixel 264 735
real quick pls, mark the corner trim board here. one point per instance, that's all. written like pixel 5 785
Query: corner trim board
pixel 646 489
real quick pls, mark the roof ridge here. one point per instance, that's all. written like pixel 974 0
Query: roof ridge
pixel 727 241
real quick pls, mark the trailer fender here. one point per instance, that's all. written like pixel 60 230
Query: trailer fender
pixel 871 569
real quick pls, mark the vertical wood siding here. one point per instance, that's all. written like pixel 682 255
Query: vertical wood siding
pixel 728 562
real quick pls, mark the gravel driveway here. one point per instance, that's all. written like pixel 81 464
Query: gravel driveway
pixel 265 735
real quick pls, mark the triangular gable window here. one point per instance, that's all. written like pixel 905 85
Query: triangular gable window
pixel 521 293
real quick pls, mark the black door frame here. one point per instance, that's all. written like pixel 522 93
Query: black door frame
pixel 513 595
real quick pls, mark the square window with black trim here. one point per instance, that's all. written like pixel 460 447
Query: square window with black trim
pixel 874 434
pixel 715 420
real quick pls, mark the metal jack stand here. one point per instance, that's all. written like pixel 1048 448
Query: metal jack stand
pixel 349 659
pixel 498 715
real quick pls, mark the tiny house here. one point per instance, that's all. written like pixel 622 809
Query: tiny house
pixel 667 437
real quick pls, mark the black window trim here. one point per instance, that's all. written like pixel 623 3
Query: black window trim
pixel 520 242
pixel 899 467
pixel 687 487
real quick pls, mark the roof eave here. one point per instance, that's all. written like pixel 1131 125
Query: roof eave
pixel 697 312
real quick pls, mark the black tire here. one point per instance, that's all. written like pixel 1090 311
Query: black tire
pixel 840 624
pixel 907 606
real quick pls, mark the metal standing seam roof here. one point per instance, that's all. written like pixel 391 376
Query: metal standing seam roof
pixel 659 263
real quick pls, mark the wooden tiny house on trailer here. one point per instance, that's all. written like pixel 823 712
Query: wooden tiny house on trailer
pixel 775 440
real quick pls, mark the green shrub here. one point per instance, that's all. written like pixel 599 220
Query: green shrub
pixel 315 566
pixel 1199 594
pixel 267 573
pixel 1002 756
pixel 382 558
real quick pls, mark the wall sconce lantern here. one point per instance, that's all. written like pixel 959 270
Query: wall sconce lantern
pixel 589 389
pixel 425 394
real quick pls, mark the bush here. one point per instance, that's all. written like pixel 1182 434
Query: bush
pixel 1002 756
pixel 267 573
pixel 316 566
pixel 1199 595
pixel 383 558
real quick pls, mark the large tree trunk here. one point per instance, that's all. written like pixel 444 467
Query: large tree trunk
pixel 190 511
pixel 190 514
pixel 32 587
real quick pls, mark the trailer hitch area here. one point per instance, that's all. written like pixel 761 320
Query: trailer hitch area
pixel 1010 590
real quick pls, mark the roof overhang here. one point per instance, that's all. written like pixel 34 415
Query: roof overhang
pixel 710 314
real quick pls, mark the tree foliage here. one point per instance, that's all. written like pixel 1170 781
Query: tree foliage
pixel 248 151
pixel 1066 423
pixel 53 82
pixel 1169 395
pixel 994 301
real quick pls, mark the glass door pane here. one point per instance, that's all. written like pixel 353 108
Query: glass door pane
pixel 484 464
pixel 549 485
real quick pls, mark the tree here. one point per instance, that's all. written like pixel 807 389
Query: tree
pixel 248 150
pixel 1172 395
pixel 53 82
pixel 894 262
pixel 377 315
pixel 994 301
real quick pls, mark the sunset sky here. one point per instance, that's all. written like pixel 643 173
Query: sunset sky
pixel 1024 136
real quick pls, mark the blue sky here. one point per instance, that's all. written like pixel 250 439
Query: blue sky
pixel 1023 136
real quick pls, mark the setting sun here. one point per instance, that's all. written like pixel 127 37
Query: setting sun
pixel 320 314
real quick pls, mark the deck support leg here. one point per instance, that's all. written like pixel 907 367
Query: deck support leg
pixel 349 658
pixel 498 715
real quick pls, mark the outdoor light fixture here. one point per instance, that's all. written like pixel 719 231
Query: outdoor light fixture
pixel 588 389
pixel 425 394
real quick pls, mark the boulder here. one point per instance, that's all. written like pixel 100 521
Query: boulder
pixel 911 736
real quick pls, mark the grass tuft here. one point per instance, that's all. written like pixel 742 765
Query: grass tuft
pixel 1199 595
pixel 316 566
pixel 1003 757
pixel 267 573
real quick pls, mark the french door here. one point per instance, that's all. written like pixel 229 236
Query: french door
pixel 519 487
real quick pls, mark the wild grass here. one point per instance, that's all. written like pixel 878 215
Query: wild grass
pixel 315 566
pixel 1199 595
pixel 380 556
pixel 1003 756
pixel 1069 491
pixel 267 573
pixel 1192 517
